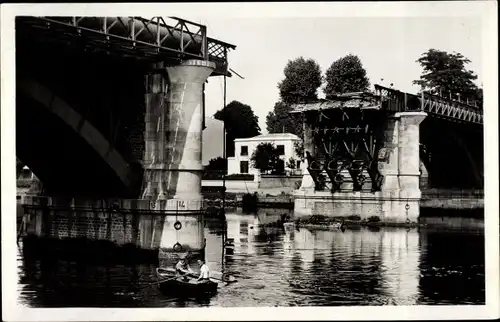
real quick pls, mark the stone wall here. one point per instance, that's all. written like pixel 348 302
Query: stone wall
pixel 453 203
pixel 139 223
pixel 236 186
pixel 277 181
pixel 362 204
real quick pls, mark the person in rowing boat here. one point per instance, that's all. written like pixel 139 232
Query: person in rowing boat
pixel 204 271
pixel 182 268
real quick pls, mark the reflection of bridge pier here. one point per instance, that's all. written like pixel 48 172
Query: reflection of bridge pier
pixel 364 153
pixel 400 258
pixel 384 263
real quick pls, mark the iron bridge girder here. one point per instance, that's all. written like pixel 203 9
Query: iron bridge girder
pixel 158 38
pixel 349 141
pixel 435 106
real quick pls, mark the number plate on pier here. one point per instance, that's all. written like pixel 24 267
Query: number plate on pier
pixel 183 205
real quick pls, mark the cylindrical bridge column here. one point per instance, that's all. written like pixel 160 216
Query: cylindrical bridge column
pixel 184 120
pixel 182 160
pixel 409 153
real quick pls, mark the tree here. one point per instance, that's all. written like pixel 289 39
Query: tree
pixel 346 75
pixel 301 82
pixel 240 122
pixel 217 164
pixel 299 149
pixel 445 74
pixel 291 164
pixel 265 157
pixel 215 168
pixel 279 120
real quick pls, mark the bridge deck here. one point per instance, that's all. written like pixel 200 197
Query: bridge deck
pixel 396 101
pixel 152 39
pixel 435 106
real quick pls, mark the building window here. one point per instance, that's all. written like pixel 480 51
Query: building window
pixel 244 150
pixel 243 166
pixel 281 149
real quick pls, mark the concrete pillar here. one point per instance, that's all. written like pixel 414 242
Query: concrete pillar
pixel 389 157
pixel 155 101
pixel 184 132
pixel 409 153
pixel 307 180
pixel 180 161
pixel 399 163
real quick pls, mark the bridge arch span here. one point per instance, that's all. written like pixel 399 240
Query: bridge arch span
pixel 76 158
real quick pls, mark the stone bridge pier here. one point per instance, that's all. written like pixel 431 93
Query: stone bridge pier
pixel 172 157
pixel 400 166
pixel 369 154
pixel 361 161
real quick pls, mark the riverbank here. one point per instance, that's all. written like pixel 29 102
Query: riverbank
pixel 276 198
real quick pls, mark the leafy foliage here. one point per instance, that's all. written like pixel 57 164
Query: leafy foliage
pixel 346 75
pixel 219 164
pixel 240 122
pixel 240 176
pixel 215 169
pixel 291 164
pixel 299 149
pixel 265 157
pixel 445 74
pixel 301 82
pixel 279 120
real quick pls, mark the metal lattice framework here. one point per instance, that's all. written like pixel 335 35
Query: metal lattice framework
pixel 434 105
pixel 346 149
pixel 151 39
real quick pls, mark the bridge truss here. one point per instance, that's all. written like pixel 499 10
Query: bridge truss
pixel 436 106
pixel 154 39
pixel 347 133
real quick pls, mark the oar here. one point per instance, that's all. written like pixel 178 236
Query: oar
pixel 159 282
pixel 214 278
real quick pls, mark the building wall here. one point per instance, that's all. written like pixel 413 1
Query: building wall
pixel 285 139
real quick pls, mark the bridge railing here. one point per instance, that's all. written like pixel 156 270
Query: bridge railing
pixel 453 193
pixel 136 36
pixel 451 108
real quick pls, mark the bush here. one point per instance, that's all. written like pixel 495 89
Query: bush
pixel 373 219
pixel 213 175
pixel 240 176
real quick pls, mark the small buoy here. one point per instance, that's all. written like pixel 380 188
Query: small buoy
pixel 177 247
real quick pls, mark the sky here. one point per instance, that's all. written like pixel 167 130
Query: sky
pixel 387 46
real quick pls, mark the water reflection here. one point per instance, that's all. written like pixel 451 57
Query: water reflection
pixel 282 267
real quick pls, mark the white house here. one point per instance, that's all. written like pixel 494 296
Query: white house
pixel 244 148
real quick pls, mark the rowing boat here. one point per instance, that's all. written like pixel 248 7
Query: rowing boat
pixel 184 286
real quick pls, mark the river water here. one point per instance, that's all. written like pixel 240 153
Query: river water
pixel 274 267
